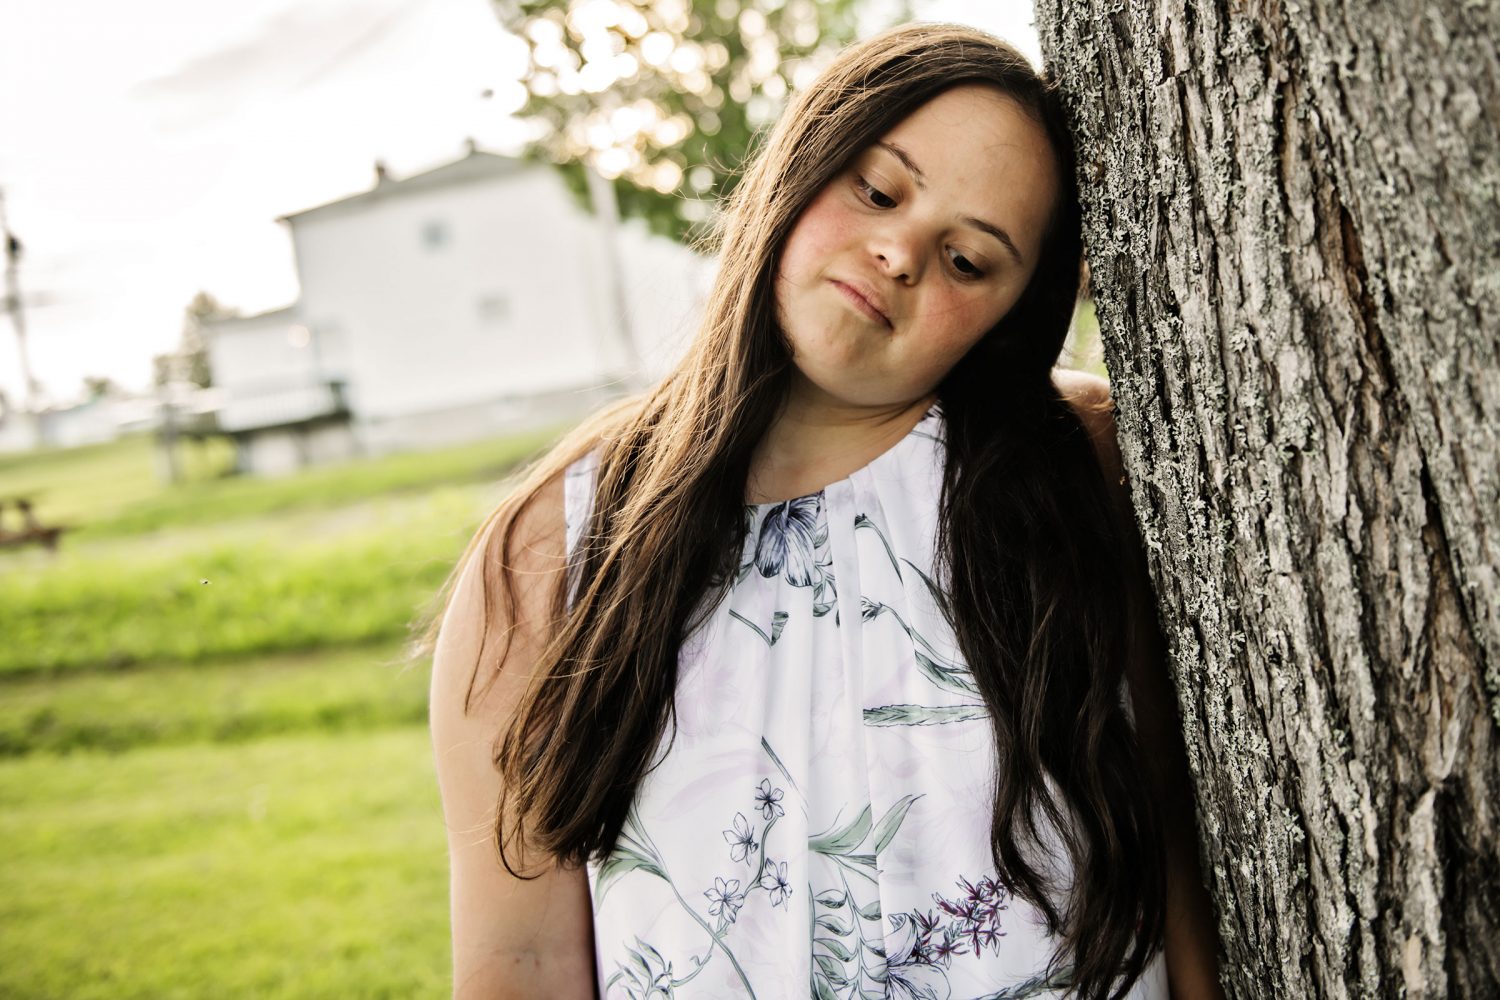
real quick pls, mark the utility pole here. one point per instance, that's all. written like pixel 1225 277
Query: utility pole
pixel 14 307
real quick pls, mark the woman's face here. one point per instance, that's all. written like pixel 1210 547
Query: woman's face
pixel 903 261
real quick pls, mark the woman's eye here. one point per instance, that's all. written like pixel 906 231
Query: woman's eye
pixel 877 197
pixel 963 265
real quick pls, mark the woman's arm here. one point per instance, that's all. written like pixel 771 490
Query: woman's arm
pixel 511 937
pixel 1192 945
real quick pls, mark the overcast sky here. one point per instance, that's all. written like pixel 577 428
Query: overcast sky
pixel 146 148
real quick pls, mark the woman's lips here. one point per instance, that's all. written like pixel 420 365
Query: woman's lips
pixel 861 303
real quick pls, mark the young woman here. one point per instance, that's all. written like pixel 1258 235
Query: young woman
pixel 826 668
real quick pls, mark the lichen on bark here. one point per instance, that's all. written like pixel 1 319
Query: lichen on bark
pixel 1292 219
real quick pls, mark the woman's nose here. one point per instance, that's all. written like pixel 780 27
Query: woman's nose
pixel 897 254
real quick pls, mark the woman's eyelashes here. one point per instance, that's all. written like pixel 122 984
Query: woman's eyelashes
pixel 963 268
pixel 872 194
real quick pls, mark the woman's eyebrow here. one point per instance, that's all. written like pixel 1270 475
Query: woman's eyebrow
pixel 921 181
pixel 906 161
pixel 999 234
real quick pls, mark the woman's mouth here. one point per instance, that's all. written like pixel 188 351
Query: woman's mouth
pixel 861 304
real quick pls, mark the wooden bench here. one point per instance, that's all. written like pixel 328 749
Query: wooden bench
pixel 31 532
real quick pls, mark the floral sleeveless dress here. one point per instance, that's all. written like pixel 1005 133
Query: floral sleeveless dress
pixel 819 825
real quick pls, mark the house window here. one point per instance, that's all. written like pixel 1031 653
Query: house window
pixel 494 310
pixel 435 234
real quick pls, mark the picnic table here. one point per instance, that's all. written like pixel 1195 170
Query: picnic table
pixel 31 531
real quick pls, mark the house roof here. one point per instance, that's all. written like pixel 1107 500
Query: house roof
pixel 287 314
pixel 473 166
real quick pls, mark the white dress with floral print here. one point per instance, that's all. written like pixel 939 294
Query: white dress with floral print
pixel 819 825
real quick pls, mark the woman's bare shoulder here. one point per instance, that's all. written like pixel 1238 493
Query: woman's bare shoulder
pixel 505 587
pixel 539 541
pixel 511 936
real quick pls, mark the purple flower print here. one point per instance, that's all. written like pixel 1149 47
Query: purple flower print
pixel 976 913
pixel 944 950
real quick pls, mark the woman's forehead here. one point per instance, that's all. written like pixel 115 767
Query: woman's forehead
pixel 978 152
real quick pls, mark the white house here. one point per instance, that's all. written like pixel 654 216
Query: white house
pixel 65 425
pixel 281 391
pixel 461 302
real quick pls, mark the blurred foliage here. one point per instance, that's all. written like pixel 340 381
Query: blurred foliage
pixel 1083 349
pixel 97 386
pixel 667 96
pixel 189 363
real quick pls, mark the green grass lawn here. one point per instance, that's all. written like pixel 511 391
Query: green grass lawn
pixel 302 866
pixel 279 582
pixel 215 780
pixel 114 489
pixel 81 486
pixel 221 568
pixel 213 502
pixel 328 691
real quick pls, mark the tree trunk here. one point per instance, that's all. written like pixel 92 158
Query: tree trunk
pixel 1292 215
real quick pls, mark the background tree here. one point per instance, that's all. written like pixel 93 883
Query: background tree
pixel 96 386
pixel 1292 222
pixel 189 363
pixel 666 95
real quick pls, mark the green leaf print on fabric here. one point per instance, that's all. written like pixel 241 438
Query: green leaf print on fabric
pixel 865 521
pixel 1047 982
pixel 847 942
pixel 646 972
pixel 778 622
pixel 891 822
pixel 628 856
pixel 940 669
pixel 844 839
pixel 923 715
pixel 938 596
pixel 766 746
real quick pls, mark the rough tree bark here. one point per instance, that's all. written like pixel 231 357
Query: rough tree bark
pixel 1293 219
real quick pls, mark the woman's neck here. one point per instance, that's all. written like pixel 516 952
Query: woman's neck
pixel 815 440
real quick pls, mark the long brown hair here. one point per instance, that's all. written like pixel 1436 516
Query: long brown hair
pixel 1030 545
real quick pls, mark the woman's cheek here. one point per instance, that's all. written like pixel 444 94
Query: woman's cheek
pixel 981 312
pixel 963 317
